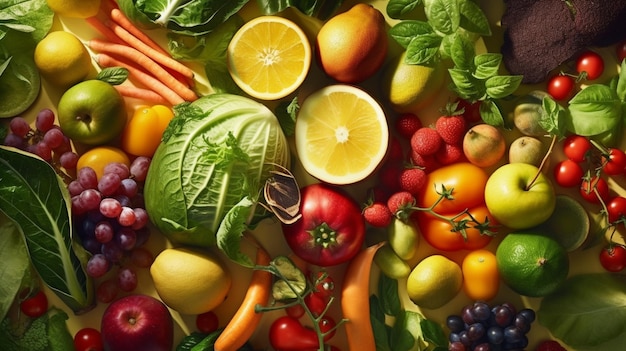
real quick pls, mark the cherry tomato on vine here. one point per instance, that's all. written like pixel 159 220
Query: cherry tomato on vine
pixel 327 325
pixel 616 162
pixel 316 303
pixel 36 305
pixel 576 147
pixel 616 208
pixel 207 322
pixel 593 187
pixel 561 87
pixel 613 258
pixel 568 173
pixel 88 339
pixel 288 334
pixel 590 64
pixel 325 284
pixel 295 311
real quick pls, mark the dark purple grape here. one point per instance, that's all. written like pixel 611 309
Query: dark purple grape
pixel 467 315
pixel 456 346
pixel 455 323
pixel 19 126
pixel 485 346
pixel 495 335
pixel 88 178
pixel 512 334
pixel 87 229
pixel 464 338
pixel 126 239
pixel 528 313
pixel 109 183
pixel 454 337
pixel 42 150
pixel 97 265
pixel 511 307
pixel 476 331
pixel 14 141
pixel 481 311
pixel 503 316
pixel 141 219
pixel 112 251
pixel 143 235
pixel 128 187
pixel 66 146
pixel 521 323
pixel 124 200
pixel 91 245
pixel 127 279
pixel 103 232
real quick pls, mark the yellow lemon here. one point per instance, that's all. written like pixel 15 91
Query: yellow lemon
pixel 269 57
pixel 341 134
pixel 434 281
pixel 100 156
pixel 62 59
pixel 74 8
pixel 190 281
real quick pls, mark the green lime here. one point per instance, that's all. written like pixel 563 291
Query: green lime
pixel 434 281
pixel 20 84
pixel 569 223
pixel 531 263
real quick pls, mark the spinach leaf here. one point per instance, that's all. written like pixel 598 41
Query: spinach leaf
pixel 594 110
pixel 572 312
pixel 15 263
pixel 322 9
pixel 399 8
pixel 35 197
pixel 28 16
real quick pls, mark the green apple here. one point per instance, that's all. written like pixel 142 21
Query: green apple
pixel 519 195
pixel 92 112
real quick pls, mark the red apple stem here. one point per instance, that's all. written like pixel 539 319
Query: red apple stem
pixel 543 162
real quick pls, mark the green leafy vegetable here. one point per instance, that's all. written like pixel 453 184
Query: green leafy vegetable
pixel 46 333
pixel 28 16
pixel 322 9
pixel 40 204
pixel 572 312
pixel 206 177
pixel 15 263
pixel 594 110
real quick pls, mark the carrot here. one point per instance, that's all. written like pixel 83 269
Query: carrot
pixel 245 321
pixel 97 24
pixel 157 56
pixel 142 77
pixel 355 304
pixel 146 95
pixel 146 63
pixel 120 18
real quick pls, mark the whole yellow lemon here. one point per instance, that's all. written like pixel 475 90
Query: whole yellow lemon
pixel 62 59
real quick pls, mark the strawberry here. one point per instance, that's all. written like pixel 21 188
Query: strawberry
pixel 449 153
pixel 401 204
pixel 396 151
pixel 407 124
pixel 377 214
pixel 412 180
pixel 388 176
pixel 550 345
pixel 471 110
pixel 427 162
pixel 451 125
pixel 426 141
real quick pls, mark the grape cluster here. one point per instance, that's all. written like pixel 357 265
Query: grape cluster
pixel 111 221
pixel 481 327
pixel 46 140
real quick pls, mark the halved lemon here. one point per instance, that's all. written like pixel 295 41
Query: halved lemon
pixel 341 134
pixel 269 57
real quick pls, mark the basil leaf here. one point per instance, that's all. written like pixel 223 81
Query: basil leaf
pixel 40 205
pixel 473 18
pixel 572 312
pixel 620 87
pixel 553 117
pixel 465 85
pixel 113 75
pixel 398 8
pixel 499 87
pixel 444 15
pixel 29 16
pixel 487 65
pixel 423 49
pixel 404 32
pixel 433 334
pixel 491 114
pixel 15 263
pixel 462 53
pixel 594 110
pixel 388 291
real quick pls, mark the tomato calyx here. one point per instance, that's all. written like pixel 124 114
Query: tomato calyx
pixel 323 235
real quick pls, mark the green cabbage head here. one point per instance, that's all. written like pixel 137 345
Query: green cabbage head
pixel 207 175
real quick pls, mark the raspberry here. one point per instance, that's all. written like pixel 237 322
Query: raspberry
pixel 377 214
pixel 407 124
pixel 412 180
pixel 426 141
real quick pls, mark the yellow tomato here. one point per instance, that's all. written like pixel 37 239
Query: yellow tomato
pixel 143 133
pixel 481 279
pixel 100 156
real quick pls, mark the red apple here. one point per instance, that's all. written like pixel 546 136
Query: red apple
pixel 137 323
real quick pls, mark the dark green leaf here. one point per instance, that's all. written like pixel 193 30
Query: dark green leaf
pixel 444 15
pixel 487 65
pixel 553 117
pixel 59 336
pixel 423 49
pixel 113 75
pixel 404 32
pixel 491 114
pixel 398 8
pixel 388 293
pixel 29 16
pixel 286 112
pixel 14 260
pixel 322 9
pixel 189 341
pixel 594 110
pixel 620 87
pixel 462 53
pixel 377 318
pixel 499 87
pixel 473 18
pixel 433 333
pixel 465 85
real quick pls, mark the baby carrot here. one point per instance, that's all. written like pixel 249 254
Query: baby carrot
pixel 355 304
pixel 120 18
pixel 142 77
pixel 144 61
pixel 246 319
pixel 142 94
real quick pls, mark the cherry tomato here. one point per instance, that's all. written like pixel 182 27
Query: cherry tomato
pixel 616 163
pixel 327 325
pixel 561 87
pixel 88 339
pixel 576 147
pixel 616 208
pixel 481 278
pixel 324 284
pixel 590 64
pixel 295 311
pixel 613 258
pixel 568 173
pixel 331 230
pixel 316 303
pixel 207 322
pixel 36 305
pixel 620 50
pixel 593 187
pixel 287 334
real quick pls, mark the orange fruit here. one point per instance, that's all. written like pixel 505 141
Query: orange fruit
pixel 142 135
pixel 481 279
pixel 341 134
pixel 352 45
pixel 269 57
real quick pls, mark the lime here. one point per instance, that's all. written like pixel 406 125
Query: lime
pixel 569 223
pixel 434 281
pixel 20 84
pixel 531 263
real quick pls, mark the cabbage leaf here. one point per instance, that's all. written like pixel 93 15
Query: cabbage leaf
pixel 207 175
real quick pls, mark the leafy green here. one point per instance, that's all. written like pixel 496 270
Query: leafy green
pixel 207 174
pixel 15 263
pixel 572 312
pixel 48 332
pixel 322 9
pixel 28 16
pixel 40 204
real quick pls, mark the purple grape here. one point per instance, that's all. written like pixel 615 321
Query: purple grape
pixel 104 232
pixel 53 137
pixel 503 316
pixel 495 335
pixel 528 313
pixel 456 346
pixel 110 207
pixel 112 251
pixel 126 239
pixel 66 146
pixel 91 245
pixel 68 160
pixel 143 235
pixel 455 323
pixel 75 188
pixel 14 141
pixel 88 178
pixel 97 266
pixel 476 331
pixel 77 207
pixel 42 150
pixel 45 120
pixel 467 315
pixel 123 200
pixel 481 311
pixel 90 199
pixel 128 187
pixel 127 217
pixel 512 334
pixel 139 168
pixel 482 347
pixel 19 126
pixel 141 218
pixel 127 279
pixel 117 168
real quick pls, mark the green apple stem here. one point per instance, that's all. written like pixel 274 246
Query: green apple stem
pixel 543 162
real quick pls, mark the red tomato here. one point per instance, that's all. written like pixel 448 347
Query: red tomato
pixel 616 209
pixel 616 163
pixel 287 334
pixel 590 64
pixel 613 258
pixel 576 147
pixel 324 284
pixel 620 50
pixel 331 230
pixel 316 303
pixel 207 322
pixel 561 87
pixel 327 325
pixel 471 111
pixel 88 339
pixel 568 173
pixel 591 188
pixel 36 305
pixel 295 311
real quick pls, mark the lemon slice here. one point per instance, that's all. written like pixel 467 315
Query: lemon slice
pixel 269 57
pixel 341 134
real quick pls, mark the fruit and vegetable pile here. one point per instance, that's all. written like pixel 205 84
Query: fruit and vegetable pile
pixel 329 175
